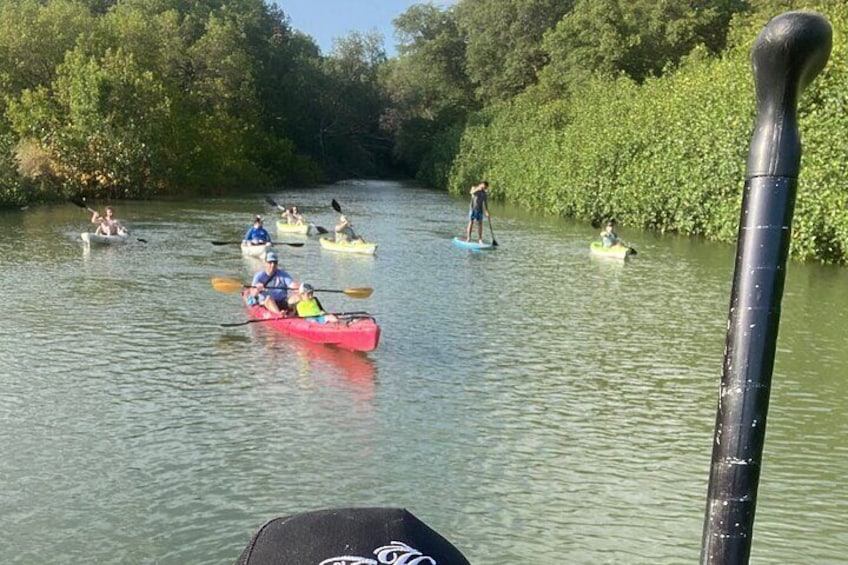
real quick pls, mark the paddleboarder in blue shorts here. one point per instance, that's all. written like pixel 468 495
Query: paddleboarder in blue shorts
pixel 479 207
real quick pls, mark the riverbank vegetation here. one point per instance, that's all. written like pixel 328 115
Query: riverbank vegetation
pixel 587 109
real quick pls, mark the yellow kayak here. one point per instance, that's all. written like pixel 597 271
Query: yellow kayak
pixel 616 251
pixel 301 229
pixel 360 247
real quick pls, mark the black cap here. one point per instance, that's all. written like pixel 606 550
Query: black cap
pixel 372 536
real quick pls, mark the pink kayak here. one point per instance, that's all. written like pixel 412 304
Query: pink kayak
pixel 357 334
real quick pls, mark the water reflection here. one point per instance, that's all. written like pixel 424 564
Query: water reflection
pixel 318 364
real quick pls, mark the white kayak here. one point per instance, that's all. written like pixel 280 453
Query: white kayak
pixel 95 239
pixel 249 250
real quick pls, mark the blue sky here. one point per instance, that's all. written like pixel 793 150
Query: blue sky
pixel 325 20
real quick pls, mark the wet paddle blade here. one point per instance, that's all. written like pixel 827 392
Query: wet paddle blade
pixel 336 206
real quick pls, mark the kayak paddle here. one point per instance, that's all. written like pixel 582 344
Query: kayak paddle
pixel 273 203
pixel 494 241
pixel 234 285
pixel 295 244
pixel 81 204
pixel 790 51
pixel 628 246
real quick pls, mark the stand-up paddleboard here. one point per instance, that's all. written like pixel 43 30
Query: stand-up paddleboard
pixel 472 245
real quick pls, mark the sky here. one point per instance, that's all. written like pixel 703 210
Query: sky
pixel 326 20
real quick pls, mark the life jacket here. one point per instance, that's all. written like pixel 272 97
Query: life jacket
pixel 309 308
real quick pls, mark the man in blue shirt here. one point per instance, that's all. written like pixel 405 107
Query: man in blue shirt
pixel 270 286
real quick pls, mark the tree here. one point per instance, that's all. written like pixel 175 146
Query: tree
pixel 428 88
pixel 349 135
pixel 638 38
pixel 504 53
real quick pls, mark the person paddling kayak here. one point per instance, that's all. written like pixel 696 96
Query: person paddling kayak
pixel 108 225
pixel 270 287
pixel 293 216
pixel 608 237
pixel 344 231
pixel 257 234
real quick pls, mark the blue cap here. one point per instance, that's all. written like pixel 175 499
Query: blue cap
pixel 271 256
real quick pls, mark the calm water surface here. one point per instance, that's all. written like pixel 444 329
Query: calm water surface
pixel 533 405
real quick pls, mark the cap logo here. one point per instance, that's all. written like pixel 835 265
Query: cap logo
pixel 398 553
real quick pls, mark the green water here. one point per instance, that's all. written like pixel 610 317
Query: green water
pixel 533 404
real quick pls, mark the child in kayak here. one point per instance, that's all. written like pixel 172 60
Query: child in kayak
pixel 608 237
pixel 309 307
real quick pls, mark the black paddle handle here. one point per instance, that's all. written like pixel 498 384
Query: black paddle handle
pixel 789 52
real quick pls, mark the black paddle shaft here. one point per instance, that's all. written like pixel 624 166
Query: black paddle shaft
pixel 789 52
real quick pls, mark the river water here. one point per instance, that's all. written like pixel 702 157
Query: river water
pixel 532 404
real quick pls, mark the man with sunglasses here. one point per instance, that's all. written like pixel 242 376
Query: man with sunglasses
pixel 270 287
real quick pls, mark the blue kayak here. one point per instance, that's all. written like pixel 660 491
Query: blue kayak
pixel 472 245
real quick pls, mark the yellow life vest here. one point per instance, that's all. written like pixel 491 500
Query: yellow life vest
pixel 308 308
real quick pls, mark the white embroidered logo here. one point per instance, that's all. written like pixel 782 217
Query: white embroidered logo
pixel 398 553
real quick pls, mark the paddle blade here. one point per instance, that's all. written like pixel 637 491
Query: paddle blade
pixel 271 202
pixel 360 292
pixel 356 292
pixel 336 206
pixel 226 285
pixel 80 203
pixel 321 230
pixel 226 242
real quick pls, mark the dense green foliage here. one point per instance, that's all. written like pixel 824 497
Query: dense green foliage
pixel 637 109
pixel 148 97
